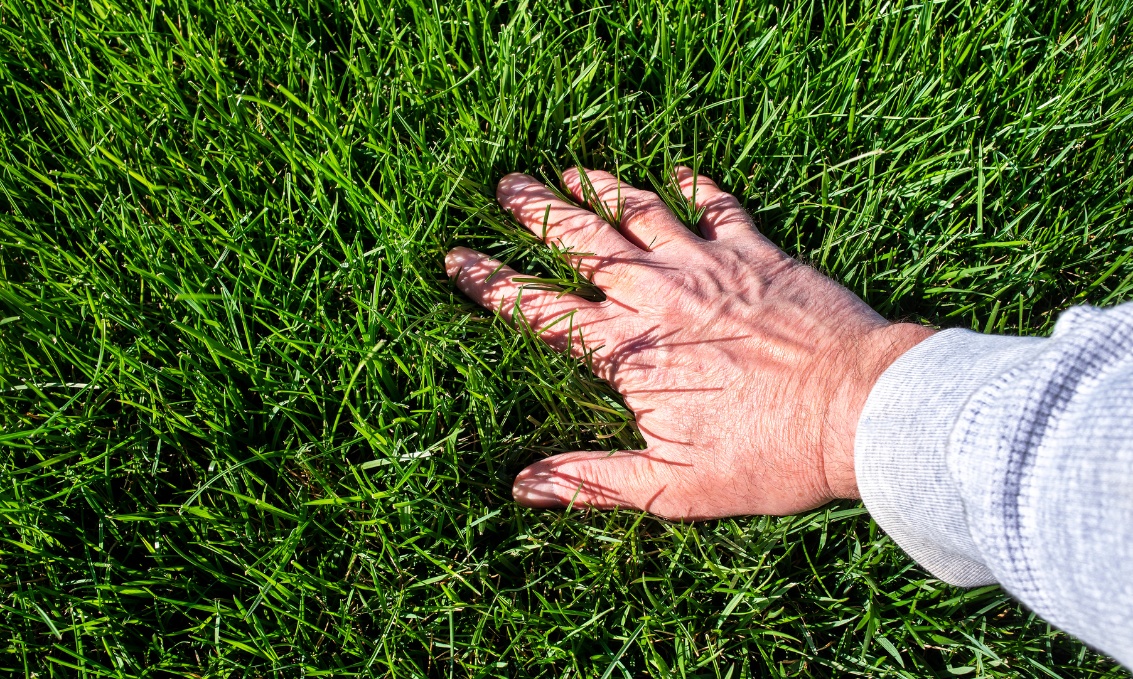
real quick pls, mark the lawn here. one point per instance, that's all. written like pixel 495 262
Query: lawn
pixel 248 428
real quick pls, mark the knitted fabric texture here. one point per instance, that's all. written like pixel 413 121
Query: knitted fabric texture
pixel 1010 460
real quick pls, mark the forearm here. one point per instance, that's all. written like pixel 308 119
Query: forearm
pixel 995 459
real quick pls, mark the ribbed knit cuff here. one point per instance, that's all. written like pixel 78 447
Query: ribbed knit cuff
pixel 902 440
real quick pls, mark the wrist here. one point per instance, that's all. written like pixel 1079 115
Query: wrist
pixel 868 358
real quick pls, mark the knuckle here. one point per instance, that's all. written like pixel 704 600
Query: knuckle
pixel 628 275
pixel 643 206
pixel 699 183
pixel 719 200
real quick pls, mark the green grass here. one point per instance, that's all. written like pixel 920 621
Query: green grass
pixel 248 429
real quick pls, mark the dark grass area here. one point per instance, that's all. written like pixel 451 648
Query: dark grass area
pixel 249 429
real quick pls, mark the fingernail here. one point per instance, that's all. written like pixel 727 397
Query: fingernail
pixel 510 183
pixel 457 259
pixel 534 489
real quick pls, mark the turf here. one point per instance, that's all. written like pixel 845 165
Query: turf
pixel 248 429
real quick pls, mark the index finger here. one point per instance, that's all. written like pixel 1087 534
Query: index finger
pixel 594 245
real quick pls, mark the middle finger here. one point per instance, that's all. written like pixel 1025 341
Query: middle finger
pixel 594 245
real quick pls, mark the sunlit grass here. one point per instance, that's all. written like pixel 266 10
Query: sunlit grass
pixel 248 428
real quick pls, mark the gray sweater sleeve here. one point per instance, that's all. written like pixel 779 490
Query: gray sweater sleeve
pixel 1010 460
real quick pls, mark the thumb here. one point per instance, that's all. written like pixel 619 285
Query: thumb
pixel 628 479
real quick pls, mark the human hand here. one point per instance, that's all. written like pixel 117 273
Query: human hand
pixel 746 370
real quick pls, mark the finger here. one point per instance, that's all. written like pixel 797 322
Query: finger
pixel 634 479
pixel 723 216
pixel 642 216
pixel 600 246
pixel 560 319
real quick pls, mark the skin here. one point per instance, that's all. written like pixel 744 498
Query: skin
pixel 745 369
